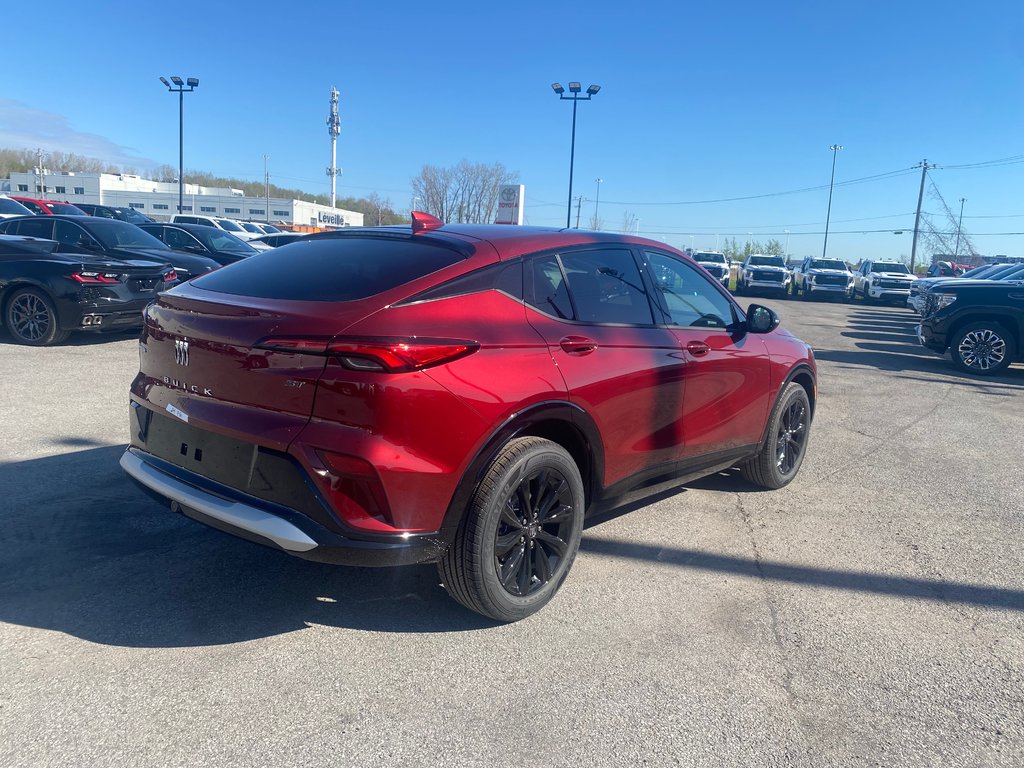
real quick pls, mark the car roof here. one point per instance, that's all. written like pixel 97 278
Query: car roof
pixel 507 240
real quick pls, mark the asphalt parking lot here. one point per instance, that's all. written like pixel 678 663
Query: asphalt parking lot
pixel 871 613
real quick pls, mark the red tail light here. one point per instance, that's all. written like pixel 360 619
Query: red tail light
pixel 391 355
pixel 169 276
pixel 94 278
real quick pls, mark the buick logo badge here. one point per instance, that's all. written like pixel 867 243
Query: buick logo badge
pixel 181 352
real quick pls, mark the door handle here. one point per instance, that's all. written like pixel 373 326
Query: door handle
pixel 697 348
pixel 578 345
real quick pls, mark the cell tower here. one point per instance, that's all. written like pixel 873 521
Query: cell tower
pixel 334 128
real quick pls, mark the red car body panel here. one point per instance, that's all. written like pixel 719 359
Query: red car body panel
pixel 392 454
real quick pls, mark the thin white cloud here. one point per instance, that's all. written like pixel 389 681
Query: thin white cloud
pixel 24 127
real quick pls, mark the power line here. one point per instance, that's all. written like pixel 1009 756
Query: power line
pixel 849 182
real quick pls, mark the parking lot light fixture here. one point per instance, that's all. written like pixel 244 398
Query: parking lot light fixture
pixel 574 89
pixel 180 87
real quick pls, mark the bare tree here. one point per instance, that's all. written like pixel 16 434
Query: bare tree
pixel 630 222
pixel 595 223
pixel 466 193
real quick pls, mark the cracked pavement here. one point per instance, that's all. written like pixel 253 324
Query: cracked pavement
pixel 868 614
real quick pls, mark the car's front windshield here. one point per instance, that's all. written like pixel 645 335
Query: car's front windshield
pixel 120 234
pixel 828 264
pixel 218 240
pixel 229 225
pixel 713 258
pixel 767 261
pixel 897 268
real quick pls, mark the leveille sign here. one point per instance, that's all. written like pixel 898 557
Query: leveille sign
pixel 510 204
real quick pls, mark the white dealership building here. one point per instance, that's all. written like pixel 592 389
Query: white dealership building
pixel 159 199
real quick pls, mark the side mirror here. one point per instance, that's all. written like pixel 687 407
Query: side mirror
pixel 761 319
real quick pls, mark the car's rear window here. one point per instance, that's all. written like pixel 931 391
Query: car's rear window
pixel 330 269
pixel 66 209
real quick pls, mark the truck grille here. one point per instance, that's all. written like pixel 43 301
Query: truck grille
pixel 775 277
pixel 830 280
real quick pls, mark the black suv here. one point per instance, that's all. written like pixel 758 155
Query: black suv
pixel 980 322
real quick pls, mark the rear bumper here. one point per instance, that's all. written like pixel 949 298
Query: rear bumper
pixel 270 524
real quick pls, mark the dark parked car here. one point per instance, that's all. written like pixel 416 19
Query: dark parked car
pixel 111 212
pixel 216 244
pixel 457 394
pixel 282 238
pixel 980 322
pixel 107 237
pixel 45 293
pixel 49 207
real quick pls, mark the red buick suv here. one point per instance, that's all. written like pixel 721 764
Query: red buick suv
pixel 463 395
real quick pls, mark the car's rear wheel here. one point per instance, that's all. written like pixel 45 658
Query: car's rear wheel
pixel 783 452
pixel 520 535
pixel 31 319
pixel 983 348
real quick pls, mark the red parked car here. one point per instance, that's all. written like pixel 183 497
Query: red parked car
pixel 49 207
pixel 463 395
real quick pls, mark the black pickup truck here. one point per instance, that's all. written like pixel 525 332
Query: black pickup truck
pixel 980 322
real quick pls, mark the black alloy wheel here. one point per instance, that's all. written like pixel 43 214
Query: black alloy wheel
pixel 32 319
pixel 983 348
pixel 520 536
pixel 779 459
pixel 535 524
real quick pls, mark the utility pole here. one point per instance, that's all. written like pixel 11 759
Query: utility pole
pixel 579 204
pixel 917 219
pixel 959 226
pixel 41 173
pixel 266 181
pixel 597 203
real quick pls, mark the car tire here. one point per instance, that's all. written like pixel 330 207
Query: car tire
pixel 779 459
pixel 984 348
pixel 805 294
pixel 31 319
pixel 506 562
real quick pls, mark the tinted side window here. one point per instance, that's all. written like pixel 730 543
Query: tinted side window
pixel 331 269
pixel 67 233
pixel 606 287
pixel 546 289
pixel 505 276
pixel 34 207
pixel 689 297
pixel 179 238
pixel 34 228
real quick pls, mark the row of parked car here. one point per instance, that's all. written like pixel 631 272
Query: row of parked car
pixel 95 268
pixel 978 317
pixel 874 280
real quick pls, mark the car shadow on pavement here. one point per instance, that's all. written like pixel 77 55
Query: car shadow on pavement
pixel 829 578
pixel 887 340
pixel 84 551
pixel 83 338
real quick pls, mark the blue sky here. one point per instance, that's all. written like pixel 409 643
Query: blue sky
pixel 699 101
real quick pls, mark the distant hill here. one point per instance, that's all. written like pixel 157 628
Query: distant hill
pixel 373 207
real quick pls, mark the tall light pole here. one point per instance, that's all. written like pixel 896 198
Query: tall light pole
pixel 574 89
pixel 597 203
pixel 787 243
pixel 828 214
pixel 959 226
pixel 266 182
pixel 181 87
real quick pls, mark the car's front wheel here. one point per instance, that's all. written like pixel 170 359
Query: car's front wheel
pixel 520 535
pixel 984 348
pixel 783 452
pixel 32 319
